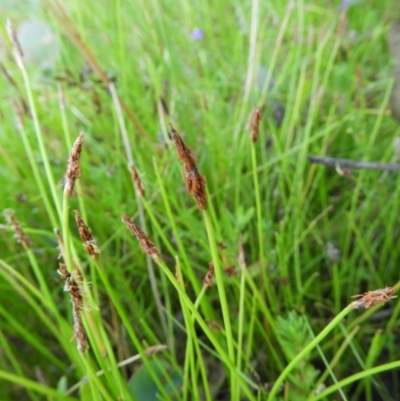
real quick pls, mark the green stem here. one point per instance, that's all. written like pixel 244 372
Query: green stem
pixel 264 281
pixel 39 138
pixel 220 285
pixel 355 377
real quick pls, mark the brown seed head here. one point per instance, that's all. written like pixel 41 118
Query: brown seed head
pixel 255 124
pixel 86 235
pixel 230 271
pixel 147 246
pixel 20 235
pixel 194 181
pixel 73 170
pixel 73 285
pixel 372 298
pixel 207 282
pixel 63 272
pixel 136 179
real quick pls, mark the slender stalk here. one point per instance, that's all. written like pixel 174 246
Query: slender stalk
pixel 40 141
pixel 264 280
pixel 353 378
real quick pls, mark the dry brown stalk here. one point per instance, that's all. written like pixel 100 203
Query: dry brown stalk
pixel 85 233
pixel 73 284
pixel 147 246
pixel 207 282
pixel 136 179
pixel 195 182
pixel 73 170
pixel 372 298
pixel 255 124
pixel 20 235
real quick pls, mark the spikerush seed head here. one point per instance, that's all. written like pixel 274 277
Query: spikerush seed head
pixel 196 187
pixel 194 181
pixel 136 179
pixel 73 169
pixel 74 285
pixel 255 124
pixel 185 154
pixel 20 235
pixel 147 246
pixel 207 282
pixel 372 298
pixel 85 233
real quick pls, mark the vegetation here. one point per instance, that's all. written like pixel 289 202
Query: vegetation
pixel 207 259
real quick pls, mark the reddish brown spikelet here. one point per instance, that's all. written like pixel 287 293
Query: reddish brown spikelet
pixel 20 235
pixel 63 272
pixel 73 284
pixel 86 236
pixel 207 282
pixel 73 170
pixel 195 182
pixel 136 179
pixel 255 124
pixel 147 246
pixel 230 271
pixel 372 298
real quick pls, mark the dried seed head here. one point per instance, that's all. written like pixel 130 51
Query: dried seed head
pixel 20 235
pixel 195 182
pixel 73 285
pixel 73 170
pixel 136 179
pixel 86 235
pixel 372 298
pixel 230 271
pixel 207 282
pixel 63 272
pixel 255 124
pixel 15 44
pixel 147 246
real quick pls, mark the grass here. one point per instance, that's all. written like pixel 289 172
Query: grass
pixel 301 238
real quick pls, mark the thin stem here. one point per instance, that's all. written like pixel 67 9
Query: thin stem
pixel 355 377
